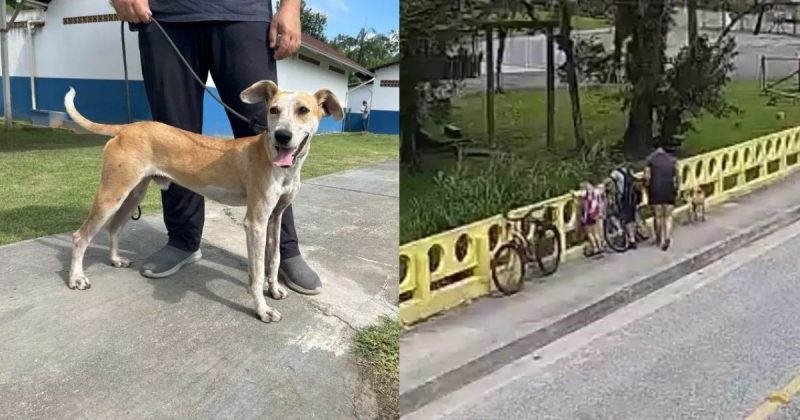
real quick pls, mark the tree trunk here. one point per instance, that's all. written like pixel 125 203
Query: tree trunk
pixel 624 19
pixel 691 10
pixel 669 127
pixel 638 134
pixel 409 124
pixel 502 34
pixel 645 67
pixel 572 76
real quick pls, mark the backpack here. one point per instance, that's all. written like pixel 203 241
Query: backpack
pixel 591 206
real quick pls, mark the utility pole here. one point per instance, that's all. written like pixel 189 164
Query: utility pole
pixel 4 61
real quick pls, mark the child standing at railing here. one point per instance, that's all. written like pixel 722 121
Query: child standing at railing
pixel 592 213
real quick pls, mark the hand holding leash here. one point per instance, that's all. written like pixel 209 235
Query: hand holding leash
pixel 284 30
pixel 133 11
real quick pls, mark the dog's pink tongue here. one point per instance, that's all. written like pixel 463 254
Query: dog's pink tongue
pixel 284 157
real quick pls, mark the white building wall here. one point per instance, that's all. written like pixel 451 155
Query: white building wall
pixel 295 74
pixel 81 51
pixel 356 96
pixel 386 98
pixel 94 51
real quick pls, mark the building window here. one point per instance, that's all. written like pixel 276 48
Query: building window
pixel 308 59
pixel 390 83
pixel 336 70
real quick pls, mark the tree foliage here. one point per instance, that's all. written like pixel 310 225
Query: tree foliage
pixel 368 48
pixel 594 64
pixel 663 95
pixel 694 84
pixel 429 31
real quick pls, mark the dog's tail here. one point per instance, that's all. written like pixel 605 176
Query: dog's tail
pixel 69 104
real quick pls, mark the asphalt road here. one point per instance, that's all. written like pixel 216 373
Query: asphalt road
pixel 712 345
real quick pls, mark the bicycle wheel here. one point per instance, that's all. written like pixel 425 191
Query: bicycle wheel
pixel 547 247
pixel 614 233
pixel 508 269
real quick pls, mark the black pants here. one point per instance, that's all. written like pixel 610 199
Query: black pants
pixel 236 54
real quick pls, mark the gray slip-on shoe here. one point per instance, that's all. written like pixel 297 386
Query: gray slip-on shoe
pixel 299 276
pixel 168 261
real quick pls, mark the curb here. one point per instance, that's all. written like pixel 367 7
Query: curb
pixel 497 358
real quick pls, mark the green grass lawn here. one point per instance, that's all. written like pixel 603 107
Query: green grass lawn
pixel 578 22
pixel 48 177
pixel 377 349
pixel 521 130
pixel 521 120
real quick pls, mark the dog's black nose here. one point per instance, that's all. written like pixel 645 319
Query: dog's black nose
pixel 283 136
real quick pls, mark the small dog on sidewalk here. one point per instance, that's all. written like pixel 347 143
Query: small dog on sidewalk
pixel 697 201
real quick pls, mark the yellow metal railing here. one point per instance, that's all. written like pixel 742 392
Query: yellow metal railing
pixel 445 270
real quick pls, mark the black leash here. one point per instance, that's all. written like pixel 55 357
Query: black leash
pixel 251 122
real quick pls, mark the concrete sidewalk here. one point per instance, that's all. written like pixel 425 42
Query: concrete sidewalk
pixel 494 331
pixel 190 346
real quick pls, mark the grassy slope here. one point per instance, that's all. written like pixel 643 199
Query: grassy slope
pixel 521 128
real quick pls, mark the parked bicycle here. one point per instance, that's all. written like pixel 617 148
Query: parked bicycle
pixel 532 239
pixel 614 231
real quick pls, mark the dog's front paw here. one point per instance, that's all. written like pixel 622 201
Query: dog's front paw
pixel 120 262
pixel 79 282
pixel 278 292
pixel 270 315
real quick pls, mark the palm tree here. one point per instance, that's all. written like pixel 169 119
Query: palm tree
pixel 368 48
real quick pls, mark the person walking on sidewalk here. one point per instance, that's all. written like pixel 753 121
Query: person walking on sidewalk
pixel 661 174
pixel 237 42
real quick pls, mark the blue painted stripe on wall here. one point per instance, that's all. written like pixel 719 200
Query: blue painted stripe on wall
pixel 99 100
pixel 384 122
pixel 354 122
pixel 104 101
pixel 380 122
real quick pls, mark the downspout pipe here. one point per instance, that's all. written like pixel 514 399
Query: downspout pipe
pixel 32 62
pixel 371 111
pixel 7 111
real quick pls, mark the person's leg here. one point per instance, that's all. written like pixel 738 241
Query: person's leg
pixel 240 56
pixel 657 223
pixel 630 230
pixel 667 226
pixel 176 99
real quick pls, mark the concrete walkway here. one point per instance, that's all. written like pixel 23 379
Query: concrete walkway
pixel 494 331
pixel 190 346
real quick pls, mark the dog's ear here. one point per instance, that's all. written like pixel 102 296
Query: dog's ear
pixel 329 104
pixel 259 92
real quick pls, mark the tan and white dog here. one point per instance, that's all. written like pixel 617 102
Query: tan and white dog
pixel 697 204
pixel 261 172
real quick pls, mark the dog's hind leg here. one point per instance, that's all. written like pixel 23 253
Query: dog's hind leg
pixel 119 219
pixel 115 185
